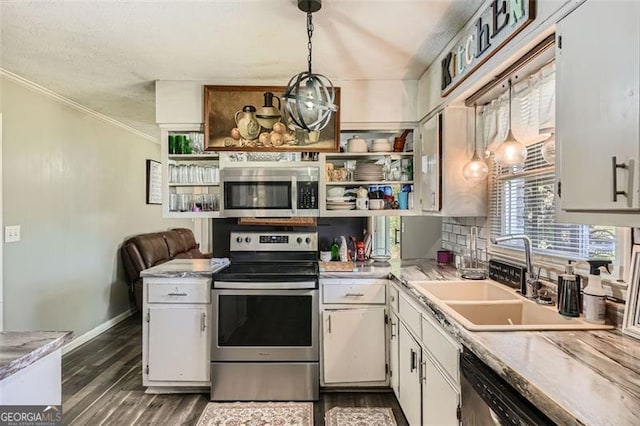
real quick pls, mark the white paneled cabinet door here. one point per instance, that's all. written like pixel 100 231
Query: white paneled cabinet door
pixel 440 400
pixel 598 106
pixel 394 347
pixel 409 360
pixel 430 134
pixel 354 345
pixel 178 343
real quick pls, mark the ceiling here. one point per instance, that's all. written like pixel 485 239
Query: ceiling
pixel 106 54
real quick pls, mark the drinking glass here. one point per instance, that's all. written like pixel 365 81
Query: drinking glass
pixel 350 166
pixel 173 202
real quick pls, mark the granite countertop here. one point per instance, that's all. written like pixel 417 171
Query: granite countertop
pixel 183 268
pixel 575 377
pixel 20 349
pixel 407 269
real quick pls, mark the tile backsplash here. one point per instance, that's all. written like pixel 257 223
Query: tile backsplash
pixel 456 230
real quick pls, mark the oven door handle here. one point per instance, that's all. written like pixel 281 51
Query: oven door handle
pixel 264 285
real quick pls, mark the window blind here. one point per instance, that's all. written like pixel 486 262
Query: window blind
pixel 523 203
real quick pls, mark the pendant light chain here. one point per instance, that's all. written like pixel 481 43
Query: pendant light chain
pixel 309 34
pixel 475 130
pixel 509 104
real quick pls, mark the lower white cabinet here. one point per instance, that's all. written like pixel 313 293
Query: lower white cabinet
pixel 353 332
pixel 354 345
pixel 176 343
pixel 394 348
pixel 409 376
pixel 440 399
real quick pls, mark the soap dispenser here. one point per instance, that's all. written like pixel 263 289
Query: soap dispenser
pixel 594 299
pixel 575 280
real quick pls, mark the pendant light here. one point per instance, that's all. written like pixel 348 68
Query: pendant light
pixel 476 169
pixel 309 98
pixel 511 153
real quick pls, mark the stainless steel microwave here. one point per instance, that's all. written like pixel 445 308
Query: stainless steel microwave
pixel 269 192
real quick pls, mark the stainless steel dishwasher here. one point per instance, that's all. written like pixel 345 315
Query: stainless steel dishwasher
pixel 487 399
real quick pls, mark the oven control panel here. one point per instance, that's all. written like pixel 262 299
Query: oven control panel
pixel 281 241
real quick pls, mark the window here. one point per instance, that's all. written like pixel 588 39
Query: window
pixel 523 203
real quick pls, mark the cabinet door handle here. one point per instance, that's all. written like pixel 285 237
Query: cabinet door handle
pixel 392 332
pixel 354 295
pixel 177 294
pixel 329 319
pixel 413 360
pixel 615 166
pixel 392 298
pixel 423 371
pixel 203 322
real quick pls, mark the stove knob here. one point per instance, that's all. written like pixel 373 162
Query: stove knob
pixel 239 240
pixel 247 240
pixel 308 240
pixel 299 240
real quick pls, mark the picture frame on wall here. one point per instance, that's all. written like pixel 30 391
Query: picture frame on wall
pixel 631 321
pixel 154 182
pixel 252 118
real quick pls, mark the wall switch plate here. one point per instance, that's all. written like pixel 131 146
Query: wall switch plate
pixel 12 234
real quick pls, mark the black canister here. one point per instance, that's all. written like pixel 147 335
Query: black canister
pixel 569 297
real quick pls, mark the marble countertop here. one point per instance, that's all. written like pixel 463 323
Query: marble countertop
pixel 575 377
pixel 183 268
pixel 20 349
pixel 406 269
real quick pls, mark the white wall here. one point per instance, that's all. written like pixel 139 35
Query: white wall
pixel 75 183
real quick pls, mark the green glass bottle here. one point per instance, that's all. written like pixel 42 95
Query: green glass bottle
pixel 335 250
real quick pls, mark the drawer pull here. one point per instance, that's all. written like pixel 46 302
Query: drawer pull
pixel 177 294
pixel 354 295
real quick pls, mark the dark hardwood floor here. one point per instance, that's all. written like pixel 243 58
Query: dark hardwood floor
pixel 102 384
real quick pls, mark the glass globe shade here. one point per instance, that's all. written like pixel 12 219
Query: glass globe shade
pixel 511 153
pixel 548 150
pixel 475 170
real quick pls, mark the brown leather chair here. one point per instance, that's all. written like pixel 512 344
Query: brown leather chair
pixel 146 250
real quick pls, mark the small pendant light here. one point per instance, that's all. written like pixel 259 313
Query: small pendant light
pixel 511 153
pixel 476 169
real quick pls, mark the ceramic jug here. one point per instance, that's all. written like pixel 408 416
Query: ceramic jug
pixel 268 115
pixel 247 124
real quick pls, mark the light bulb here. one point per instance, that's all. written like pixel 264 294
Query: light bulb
pixel 548 149
pixel 511 153
pixel 475 170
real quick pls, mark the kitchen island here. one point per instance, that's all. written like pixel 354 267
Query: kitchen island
pixel 30 367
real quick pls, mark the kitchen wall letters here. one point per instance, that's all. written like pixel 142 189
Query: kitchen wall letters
pixel 500 21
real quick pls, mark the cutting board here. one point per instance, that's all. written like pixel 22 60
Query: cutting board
pixel 336 266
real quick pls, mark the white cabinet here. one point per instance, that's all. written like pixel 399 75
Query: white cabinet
pixel 394 348
pixel 598 109
pixel 409 355
pixel 353 345
pixel 446 146
pixel 353 339
pixel 440 399
pixel 176 332
pixel 190 182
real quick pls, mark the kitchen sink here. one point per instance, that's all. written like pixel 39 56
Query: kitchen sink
pixel 489 306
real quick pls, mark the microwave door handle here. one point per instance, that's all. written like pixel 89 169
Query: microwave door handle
pixel 294 195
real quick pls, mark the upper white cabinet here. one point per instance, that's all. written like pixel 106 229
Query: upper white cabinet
pixel 598 99
pixel 446 146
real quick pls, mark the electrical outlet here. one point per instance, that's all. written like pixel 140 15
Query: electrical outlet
pixel 12 234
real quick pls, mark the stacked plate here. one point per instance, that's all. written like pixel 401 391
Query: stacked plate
pixel 341 203
pixel 368 172
pixel 381 145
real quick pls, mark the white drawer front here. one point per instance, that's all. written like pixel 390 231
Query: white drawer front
pixel 409 314
pixel 179 292
pixel 444 349
pixel 393 298
pixel 354 293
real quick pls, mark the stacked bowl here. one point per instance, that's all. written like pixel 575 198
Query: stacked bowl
pixel 380 145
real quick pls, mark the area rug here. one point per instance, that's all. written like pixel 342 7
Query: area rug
pixel 360 416
pixel 257 414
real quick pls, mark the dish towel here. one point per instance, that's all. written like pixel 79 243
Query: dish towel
pixel 218 263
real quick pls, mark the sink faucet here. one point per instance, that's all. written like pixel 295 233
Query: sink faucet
pixel 529 288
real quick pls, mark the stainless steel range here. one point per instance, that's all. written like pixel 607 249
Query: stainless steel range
pixel 265 322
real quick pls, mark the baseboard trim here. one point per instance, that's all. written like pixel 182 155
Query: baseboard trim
pixel 80 340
